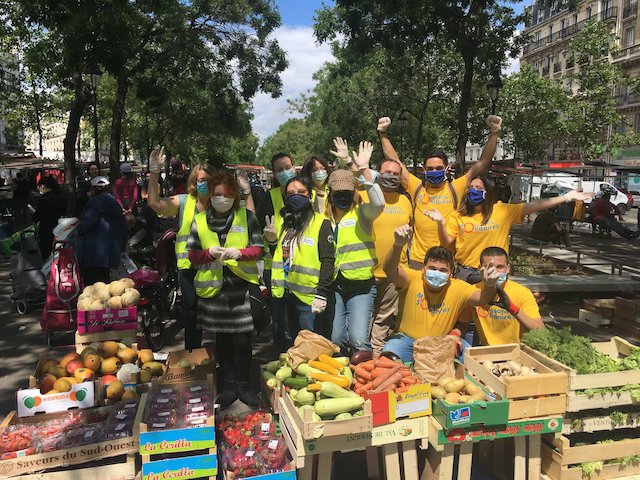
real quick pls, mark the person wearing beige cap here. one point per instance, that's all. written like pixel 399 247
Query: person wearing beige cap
pixel 352 222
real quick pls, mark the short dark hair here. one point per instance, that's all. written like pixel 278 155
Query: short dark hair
pixel 494 252
pixel 277 157
pixel 437 153
pixel 49 182
pixel 439 254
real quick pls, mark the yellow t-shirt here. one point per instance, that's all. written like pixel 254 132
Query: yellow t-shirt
pixel 496 326
pixel 426 230
pixel 423 313
pixel 472 237
pixel 397 212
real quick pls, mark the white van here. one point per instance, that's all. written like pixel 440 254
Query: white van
pixel 618 198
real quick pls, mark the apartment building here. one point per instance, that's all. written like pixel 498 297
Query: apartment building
pixel 551 29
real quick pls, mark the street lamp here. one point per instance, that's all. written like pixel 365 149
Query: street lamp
pixel 494 86
pixel 402 120
pixel 94 78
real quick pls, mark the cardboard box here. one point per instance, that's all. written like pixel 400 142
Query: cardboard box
pixel 83 340
pixel 202 368
pixel 531 396
pixel 386 407
pixel 94 321
pixel 602 306
pixel 288 475
pixel 197 466
pixel 31 402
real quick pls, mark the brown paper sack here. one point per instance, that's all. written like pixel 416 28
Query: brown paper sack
pixel 433 358
pixel 307 346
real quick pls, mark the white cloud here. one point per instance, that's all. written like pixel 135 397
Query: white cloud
pixel 305 57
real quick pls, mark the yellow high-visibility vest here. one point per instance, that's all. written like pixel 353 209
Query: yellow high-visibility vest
pixel 183 234
pixel 355 250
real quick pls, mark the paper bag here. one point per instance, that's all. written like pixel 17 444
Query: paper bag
pixel 307 346
pixel 433 357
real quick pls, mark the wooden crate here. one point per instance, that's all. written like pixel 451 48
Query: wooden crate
pixel 599 422
pixel 270 395
pixel 626 316
pixel 531 396
pixel 114 471
pixel 561 461
pixel 602 306
pixel 593 319
pixel 615 348
pixel 123 448
pixel 328 428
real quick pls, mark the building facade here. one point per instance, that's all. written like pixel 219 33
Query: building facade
pixel 551 29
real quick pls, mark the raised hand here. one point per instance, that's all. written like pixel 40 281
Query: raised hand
pixel 494 123
pixel 383 124
pixel 269 230
pixel 342 149
pixel 157 159
pixel 490 275
pixel 576 195
pixel 434 215
pixel 402 235
pixel 362 158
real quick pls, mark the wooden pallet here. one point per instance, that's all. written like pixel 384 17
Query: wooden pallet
pixel 615 348
pixel 593 319
pixel 531 396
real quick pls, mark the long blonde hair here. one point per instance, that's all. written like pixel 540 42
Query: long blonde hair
pixel 193 177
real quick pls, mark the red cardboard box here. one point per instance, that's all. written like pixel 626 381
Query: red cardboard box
pixel 93 321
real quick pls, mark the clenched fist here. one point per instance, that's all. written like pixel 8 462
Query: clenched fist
pixel 383 124
pixel 494 123
pixel 402 235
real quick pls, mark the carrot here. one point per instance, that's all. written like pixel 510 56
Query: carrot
pixel 404 389
pixel 364 388
pixel 362 380
pixel 368 365
pixel 378 371
pixel 386 362
pixel 326 359
pixel 409 380
pixel 406 372
pixel 383 377
pixel 324 367
pixel 390 381
pixel 362 373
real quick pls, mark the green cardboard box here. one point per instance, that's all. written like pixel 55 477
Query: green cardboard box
pixel 462 415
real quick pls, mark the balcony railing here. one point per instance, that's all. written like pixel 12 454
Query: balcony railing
pixel 627 99
pixel 545 71
pixel 630 10
pixel 611 12
pixel 557 67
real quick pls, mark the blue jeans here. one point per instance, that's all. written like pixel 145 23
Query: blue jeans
pixel 402 345
pixel 289 316
pixel 353 315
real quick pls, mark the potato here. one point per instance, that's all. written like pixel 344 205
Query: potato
pixel 471 388
pixel 443 381
pixel 452 397
pixel 479 396
pixel 438 392
pixel 464 398
pixel 454 386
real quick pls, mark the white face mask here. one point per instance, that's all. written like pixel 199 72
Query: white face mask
pixel 222 204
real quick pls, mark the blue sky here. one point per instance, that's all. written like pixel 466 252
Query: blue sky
pixel 305 57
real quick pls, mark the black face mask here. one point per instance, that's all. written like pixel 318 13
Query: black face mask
pixel 297 203
pixel 388 182
pixel 342 200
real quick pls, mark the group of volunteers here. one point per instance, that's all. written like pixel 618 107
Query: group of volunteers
pixel 372 260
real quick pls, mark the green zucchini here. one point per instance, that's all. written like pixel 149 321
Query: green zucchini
pixel 334 406
pixel 273 366
pixel 332 390
pixel 297 382
pixel 343 416
pixel 305 397
pixel 283 373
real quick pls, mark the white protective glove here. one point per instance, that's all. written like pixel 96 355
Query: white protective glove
pixel 402 235
pixel 342 150
pixel 230 253
pixel 319 304
pixel 269 231
pixel 490 275
pixel 383 124
pixel 215 252
pixel 434 215
pixel 362 158
pixel 494 123
pixel 157 159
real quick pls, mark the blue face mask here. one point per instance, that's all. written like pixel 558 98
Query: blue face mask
pixel 297 203
pixel 434 177
pixel 202 187
pixel 502 278
pixel 284 176
pixel 436 278
pixel 342 200
pixel 475 196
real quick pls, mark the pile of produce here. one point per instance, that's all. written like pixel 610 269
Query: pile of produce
pixel 510 368
pixel 249 445
pixel 577 352
pixel 178 407
pixel 72 429
pixel 118 294
pixel 453 390
pixel 113 362
pixel 382 375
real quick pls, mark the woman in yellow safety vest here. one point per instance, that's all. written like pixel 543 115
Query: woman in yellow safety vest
pixel 316 171
pixel 224 245
pixel 303 260
pixel 184 206
pixel 354 283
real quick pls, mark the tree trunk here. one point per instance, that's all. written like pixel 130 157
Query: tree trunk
pixel 420 133
pixel 116 125
pixel 463 111
pixel 80 100
pixel 36 108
